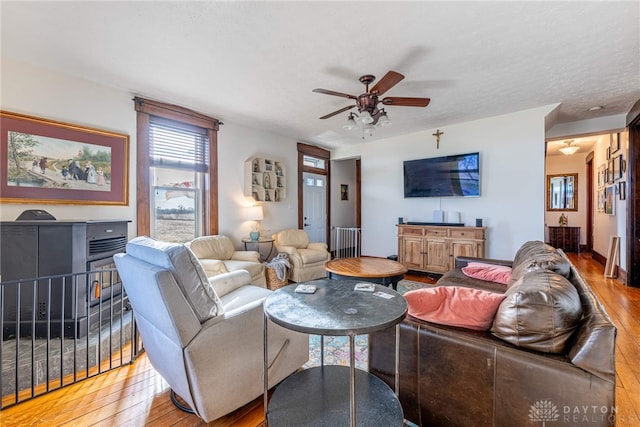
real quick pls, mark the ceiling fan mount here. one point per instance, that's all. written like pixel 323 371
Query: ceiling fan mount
pixel 367 102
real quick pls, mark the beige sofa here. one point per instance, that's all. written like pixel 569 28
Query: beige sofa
pixel 307 259
pixel 218 255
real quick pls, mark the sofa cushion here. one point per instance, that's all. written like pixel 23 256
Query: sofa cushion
pixel 296 238
pixel 531 249
pixel 540 312
pixel 488 272
pixel 547 260
pixel 186 269
pixel 454 306
pixel 212 247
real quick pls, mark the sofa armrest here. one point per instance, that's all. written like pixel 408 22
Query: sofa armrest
pixel 246 256
pixel 317 246
pixel 462 261
pixel 289 250
pixel 228 282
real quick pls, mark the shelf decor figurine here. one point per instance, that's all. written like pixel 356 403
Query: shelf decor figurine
pixel 563 221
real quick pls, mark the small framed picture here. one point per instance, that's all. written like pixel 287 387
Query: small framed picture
pixel 602 175
pixel 622 190
pixel 615 142
pixel 610 172
pixel 610 200
pixel 601 200
pixel 344 192
pixel 618 167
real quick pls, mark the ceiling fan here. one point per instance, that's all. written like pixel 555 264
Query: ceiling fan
pixel 367 102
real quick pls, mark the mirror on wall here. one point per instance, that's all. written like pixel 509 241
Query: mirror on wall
pixel 562 192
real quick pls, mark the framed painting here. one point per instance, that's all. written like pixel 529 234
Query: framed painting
pixel 601 200
pixel 615 142
pixel 602 175
pixel 618 167
pixel 622 190
pixel 50 162
pixel 610 171
pixel 344 192
pixel 610 200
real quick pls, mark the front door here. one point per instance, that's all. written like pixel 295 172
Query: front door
pixel 315 206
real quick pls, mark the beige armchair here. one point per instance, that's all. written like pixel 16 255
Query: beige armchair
pixel 307 259
pixel 218 255
pixel 205 336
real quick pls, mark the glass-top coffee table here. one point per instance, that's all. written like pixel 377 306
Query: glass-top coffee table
pixel 317 396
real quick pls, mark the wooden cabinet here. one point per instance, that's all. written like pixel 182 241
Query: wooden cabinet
pixel 265 179
pixel 434 248
pixel 565 238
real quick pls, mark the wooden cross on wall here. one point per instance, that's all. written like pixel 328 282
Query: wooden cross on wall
pixel 437 135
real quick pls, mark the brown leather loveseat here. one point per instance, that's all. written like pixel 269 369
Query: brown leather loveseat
pixel 453 376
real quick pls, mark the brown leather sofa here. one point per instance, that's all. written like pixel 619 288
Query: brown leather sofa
pixel 452 376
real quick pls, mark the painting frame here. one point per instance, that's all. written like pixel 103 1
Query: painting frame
pixel 618 167
pixel 344 192
pixel 602 175
pixel 600 207
pixel 56 186
pixel 614 143
pixel 610 200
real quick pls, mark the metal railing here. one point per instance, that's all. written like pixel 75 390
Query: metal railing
pixel 345 242
pixel 51 339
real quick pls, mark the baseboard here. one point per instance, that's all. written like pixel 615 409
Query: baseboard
pixel 599 258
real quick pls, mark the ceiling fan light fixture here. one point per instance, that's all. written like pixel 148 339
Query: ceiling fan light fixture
pixel 351 123
pixel 365 117
pixel 383 121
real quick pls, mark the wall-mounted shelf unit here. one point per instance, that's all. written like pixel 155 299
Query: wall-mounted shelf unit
pixel 265 179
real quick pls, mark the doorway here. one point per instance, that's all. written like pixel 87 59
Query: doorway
pixel 315 206
pixel 313 162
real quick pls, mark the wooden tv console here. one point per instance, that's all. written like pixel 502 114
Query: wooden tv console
pixel 434 248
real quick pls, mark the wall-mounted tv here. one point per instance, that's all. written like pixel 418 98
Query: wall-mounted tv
pixel 456 175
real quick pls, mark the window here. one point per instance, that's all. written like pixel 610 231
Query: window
pixel 177 151
pixel 178 155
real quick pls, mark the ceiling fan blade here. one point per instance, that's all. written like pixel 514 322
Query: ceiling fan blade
pixel 389 80
pixel 406 102
pixel 331 92
pixel 337 112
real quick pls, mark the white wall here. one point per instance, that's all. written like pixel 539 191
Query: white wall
pixel 47 94
pixel 343 212
pixel 512 181
pixel 605 226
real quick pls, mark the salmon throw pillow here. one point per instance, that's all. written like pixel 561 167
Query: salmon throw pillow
pixel 455 306
pixel 488 272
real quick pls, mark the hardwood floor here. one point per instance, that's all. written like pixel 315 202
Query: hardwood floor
pixel 135 395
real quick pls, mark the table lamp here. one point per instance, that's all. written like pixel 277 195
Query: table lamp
pixel 254 213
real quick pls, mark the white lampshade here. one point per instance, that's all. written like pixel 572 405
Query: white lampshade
pixel 365 117
pixel 253 213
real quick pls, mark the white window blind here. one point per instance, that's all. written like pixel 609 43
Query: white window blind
pixel 178 145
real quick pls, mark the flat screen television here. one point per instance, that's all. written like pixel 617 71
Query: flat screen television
pixel 455 175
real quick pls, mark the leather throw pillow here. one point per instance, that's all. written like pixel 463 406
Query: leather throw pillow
pixel 539 312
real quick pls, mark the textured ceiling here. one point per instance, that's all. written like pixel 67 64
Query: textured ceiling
pixel 255 63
